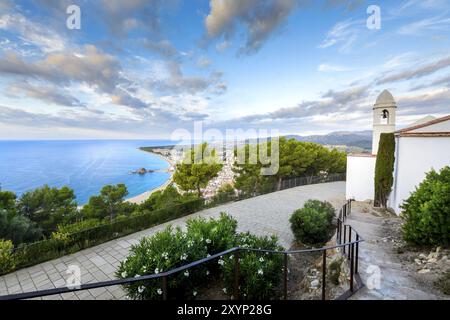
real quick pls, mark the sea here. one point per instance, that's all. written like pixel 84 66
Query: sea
pixel 85 166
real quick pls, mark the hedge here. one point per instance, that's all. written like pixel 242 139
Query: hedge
pixel 38 252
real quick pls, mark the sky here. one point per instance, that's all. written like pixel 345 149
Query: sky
pixel 143 69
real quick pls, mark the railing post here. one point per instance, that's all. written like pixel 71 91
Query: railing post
pixel 349 239
pixel 345 236
pixel 324 273
pixel 357 253
pixel 164 285
pixel 351 249
pixel 236 275
pixel 285 276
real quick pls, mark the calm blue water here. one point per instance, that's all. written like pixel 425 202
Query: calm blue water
pixel 85 166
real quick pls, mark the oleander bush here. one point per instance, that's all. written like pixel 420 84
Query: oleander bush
pixel 426 213
pixel 311 224
pixel 164 251
pixel 7 258
pixel 259 273
pixel 219 234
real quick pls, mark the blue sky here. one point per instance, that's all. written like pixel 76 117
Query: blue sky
pixel 144 68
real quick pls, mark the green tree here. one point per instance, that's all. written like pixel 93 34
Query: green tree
pixel 167 198
pixel 48 207
pixel 384 169
pixel 198 168
pixel 17 228
pixel 426 213
pixel 109 204
pixel 248 177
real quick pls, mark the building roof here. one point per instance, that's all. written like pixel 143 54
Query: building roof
pixel 385 98
pixel 409 131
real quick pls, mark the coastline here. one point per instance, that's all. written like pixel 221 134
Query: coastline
pixel 144 196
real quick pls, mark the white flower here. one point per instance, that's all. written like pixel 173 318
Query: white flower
pixel 165 255
pixel 207 272
pixel 156 271
pixel 208 241
pixel 261 259
pixel 141 289
pixel 159 291
pixel 224 290
pixel 194 293
pixel 124 274
pixel 144 269
pixel 231 257
pixel 260 272
pixel 137 276
pixel 186 273
pixel 221 262
pixel 184 256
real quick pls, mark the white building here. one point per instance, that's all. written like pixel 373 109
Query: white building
pixel 419 148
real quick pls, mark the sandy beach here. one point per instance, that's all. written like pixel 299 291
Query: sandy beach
pixel 144 196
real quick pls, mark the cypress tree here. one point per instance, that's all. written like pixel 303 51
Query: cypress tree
pixel 384 169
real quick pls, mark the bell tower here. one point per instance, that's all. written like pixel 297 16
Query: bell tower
pixel 384 112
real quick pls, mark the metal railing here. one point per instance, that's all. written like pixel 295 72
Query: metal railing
pixel 349 248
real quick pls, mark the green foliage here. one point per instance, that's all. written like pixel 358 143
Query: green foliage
pixel 334 271
pixel 74 237
pixel 197 169
pixel 164 251
pixel 225 194
pixel 426 212
pixel 443 283
pixel 311 225
pixel 170 249
pixel 7 259
pixel 219 234
pixel 48 207
pixel 166 198
pixel 384 169
pixel 18 228
pixel 296 159
pixel 7 200
pixel 321 206
pixel 109 204
pixel 259 273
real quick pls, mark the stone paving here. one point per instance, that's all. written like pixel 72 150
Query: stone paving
pixel 396 281
pixel 264 215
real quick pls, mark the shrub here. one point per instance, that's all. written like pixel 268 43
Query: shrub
pixel 7 258
pixel 426 212
pixel 164 251
pixel 311 225
pixel 225 194
pixel 384 169
pixel 170 249
pixel 324 206
pixel 259 273
pixel 219 234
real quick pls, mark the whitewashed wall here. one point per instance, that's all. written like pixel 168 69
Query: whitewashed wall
pixel 360 177
pixel 414 157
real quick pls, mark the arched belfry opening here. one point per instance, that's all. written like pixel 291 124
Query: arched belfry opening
pixel 384 117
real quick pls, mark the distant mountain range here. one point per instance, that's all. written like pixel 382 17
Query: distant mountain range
pixel 360 139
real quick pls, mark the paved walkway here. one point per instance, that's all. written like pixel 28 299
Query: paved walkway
pixel 264 215
pixel 396 282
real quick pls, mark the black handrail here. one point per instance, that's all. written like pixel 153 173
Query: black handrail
pixel 352 257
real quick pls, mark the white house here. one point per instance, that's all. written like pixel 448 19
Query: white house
pixel 419 148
